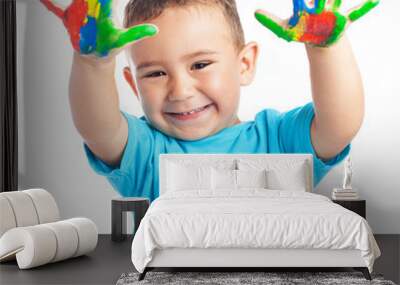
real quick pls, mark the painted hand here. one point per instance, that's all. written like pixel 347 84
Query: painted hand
pixel 91 29
pixel 319 25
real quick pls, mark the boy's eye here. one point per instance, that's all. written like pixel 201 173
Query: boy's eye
pixel 154 74
pixel 201 65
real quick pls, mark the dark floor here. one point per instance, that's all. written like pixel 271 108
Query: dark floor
pixel 389 262
pixel 110 259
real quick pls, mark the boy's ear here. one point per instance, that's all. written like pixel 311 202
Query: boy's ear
pixel 129 78
pixel 248 59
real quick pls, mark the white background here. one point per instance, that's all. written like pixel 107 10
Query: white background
pixel 51 151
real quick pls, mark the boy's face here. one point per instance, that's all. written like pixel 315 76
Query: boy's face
pixel 191 64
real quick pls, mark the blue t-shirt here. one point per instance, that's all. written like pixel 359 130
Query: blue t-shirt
pixel 270 132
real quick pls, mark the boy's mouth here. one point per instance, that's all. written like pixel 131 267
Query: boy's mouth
pixel 190 115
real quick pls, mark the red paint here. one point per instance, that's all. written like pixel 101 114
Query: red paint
pixel 74 18
pixel 319 27
pixel 53 8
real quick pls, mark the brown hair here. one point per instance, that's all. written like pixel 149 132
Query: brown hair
pixel 137 11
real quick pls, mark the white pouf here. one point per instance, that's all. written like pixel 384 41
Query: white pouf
pixel 31 231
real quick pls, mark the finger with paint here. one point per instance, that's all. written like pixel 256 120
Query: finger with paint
pixel 91 29
pixel 319 25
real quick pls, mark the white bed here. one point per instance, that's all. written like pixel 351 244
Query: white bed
pixel 203 220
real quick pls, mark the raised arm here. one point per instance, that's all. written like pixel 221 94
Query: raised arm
pixel 93 93
pixel 95 110
pixel 337 89
pixel 338 96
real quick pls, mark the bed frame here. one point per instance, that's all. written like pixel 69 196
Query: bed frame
pixel 248 259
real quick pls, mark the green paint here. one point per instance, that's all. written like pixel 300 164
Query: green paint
pixel 336 5
pixel 341 22
pixel 274 27
pixel 135 33
pixel 321 7
pixel 106 32
pixel 364 9
pixel 109 37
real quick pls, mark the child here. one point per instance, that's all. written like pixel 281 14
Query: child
pixel 186 67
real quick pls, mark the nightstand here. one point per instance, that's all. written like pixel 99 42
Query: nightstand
pixel 357 206
pixel 119 206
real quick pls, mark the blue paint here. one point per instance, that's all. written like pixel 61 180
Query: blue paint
pixel 103 3
pixel 298 7
pixel 88 34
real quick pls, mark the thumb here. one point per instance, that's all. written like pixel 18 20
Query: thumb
pixel 273 23
pixel 262 15
pixel 135 33
pixel 55 9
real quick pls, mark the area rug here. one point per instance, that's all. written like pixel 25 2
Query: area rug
pixel 242 278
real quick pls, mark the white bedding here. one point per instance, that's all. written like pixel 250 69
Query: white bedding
pixel 250 218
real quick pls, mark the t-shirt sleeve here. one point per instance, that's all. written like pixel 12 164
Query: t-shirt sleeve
pixel 295 137
pixel 127 178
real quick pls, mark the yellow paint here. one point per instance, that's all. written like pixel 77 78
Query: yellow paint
pixel 98 10
pixel 93 8
pixel 300 27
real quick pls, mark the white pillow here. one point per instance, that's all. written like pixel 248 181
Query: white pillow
pixel 182 177
pixel 288 179
pixel 223 179
pixel 281 174
pixel 251 178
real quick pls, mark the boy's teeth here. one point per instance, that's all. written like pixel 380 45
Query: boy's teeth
pixel 188 113
pixel 193 111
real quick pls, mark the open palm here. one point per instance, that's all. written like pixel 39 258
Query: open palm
pixel 91 28
pixel 321 24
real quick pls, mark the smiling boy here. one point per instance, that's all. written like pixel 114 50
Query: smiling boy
pixel 192 63
pixel 187 78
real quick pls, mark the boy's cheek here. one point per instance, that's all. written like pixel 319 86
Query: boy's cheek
pixel 151 107
pixel 218 85
pixel 151 97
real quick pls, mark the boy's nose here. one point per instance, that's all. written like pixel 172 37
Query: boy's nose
pixel 181 89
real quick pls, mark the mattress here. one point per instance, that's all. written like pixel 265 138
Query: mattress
pixel 255 257
pixel 250 218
